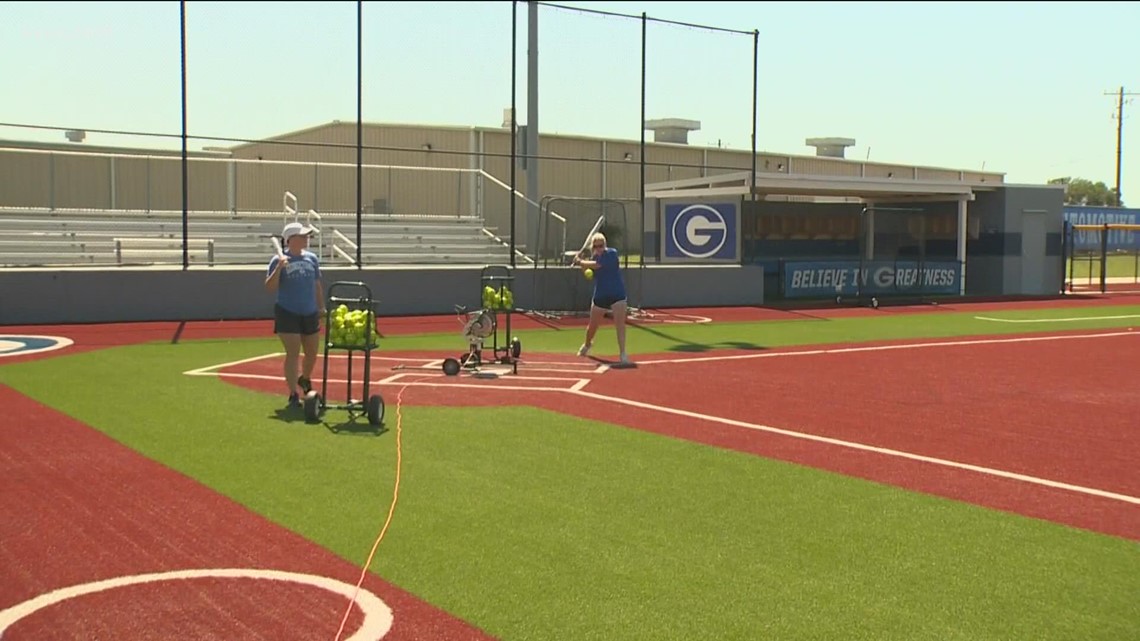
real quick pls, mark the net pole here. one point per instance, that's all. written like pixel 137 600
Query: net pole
pixel 360 135
pixel 185 159
pixel 1104 259
pixel 755 98
pixel 641 193
pixel 1068 250
pixel 865 229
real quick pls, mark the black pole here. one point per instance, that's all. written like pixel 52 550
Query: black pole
pixel 1104 259
pixel 1067 254
pixel 755 98
pixel 185 161
pixel 514 126
pixel 644 25
pixel 359 131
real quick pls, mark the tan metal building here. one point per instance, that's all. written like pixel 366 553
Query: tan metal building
pixel 407 170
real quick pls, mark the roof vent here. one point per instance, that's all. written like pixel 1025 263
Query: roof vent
pixel 672 129
pixel 830 147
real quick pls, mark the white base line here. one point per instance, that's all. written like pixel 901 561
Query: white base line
pixel 211 370
pixel 1055 320
pixel 883 348
pixel 866 448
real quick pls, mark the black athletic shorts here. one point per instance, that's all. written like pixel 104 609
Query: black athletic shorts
pixel 606 302
pixel 286 322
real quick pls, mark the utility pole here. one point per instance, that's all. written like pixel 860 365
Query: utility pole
pixel 1119 136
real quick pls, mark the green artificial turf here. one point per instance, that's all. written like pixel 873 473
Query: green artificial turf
pixel 534 525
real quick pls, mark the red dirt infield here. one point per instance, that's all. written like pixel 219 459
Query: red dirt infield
pixel 97 335
pixel 1023 418
pixel 92 510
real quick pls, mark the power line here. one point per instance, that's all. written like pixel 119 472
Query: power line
pixel 1119 135
pixel 614 14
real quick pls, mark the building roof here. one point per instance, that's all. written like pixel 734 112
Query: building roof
pixel 778 184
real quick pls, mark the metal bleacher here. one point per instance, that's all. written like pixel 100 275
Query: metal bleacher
pixel 39 237
pixel 388 240
pixel 32 237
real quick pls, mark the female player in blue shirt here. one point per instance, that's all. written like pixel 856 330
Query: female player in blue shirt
pixel 295 275
pixel 609 293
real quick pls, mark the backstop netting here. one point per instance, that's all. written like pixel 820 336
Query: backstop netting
pixel 907 252
pixel 565 226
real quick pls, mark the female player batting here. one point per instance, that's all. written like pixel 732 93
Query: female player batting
pixel 609 293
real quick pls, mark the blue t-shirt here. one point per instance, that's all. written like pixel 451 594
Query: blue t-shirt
pixel 607 277
pixel 297 287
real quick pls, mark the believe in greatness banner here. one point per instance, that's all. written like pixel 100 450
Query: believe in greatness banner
pixel 840 278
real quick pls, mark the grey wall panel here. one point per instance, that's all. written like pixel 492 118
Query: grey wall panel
pixel 125 295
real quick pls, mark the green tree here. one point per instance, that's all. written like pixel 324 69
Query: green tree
pixel 1082 191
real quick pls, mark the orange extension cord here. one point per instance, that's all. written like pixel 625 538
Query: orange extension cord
pixel 391 510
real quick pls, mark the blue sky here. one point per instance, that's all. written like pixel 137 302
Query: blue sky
pixel 1015 87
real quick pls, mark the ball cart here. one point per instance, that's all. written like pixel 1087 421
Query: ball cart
pixel 350 326
pixel 496 282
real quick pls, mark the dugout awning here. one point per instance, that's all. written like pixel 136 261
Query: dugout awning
pixel 770 184
pixel 871 191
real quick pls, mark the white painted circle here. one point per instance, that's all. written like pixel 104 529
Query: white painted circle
pixel 23 344
pixel 377 614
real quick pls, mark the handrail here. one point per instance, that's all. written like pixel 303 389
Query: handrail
pixel 341 236
pixel 517 193
pixel 289 209
pixel 502 242
pixel 344 254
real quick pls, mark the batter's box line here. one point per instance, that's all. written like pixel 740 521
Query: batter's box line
pixel 568 367
pixel 213 370
pixel 395 380
pixel 489 383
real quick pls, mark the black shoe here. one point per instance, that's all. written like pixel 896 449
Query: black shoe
pixel 294 400
pixel 305 384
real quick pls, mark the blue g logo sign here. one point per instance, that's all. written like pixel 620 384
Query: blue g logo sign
pixel 701 231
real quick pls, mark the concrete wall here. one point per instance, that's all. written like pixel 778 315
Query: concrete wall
pixel 1036 215
pixel 985 255
pixel 1018 248
pixel 123 295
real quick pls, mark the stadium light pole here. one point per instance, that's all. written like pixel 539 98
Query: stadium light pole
pixel 514 125
pixel 534 223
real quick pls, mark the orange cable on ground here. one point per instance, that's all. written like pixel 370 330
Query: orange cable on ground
pixel 391 510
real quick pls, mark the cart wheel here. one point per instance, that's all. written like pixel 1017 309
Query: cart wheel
pixel 516 347
pixel 451 366
pixel 312 406
pixel 375 409
pixel 874 303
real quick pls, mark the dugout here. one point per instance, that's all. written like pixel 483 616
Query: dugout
pixel 814 235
